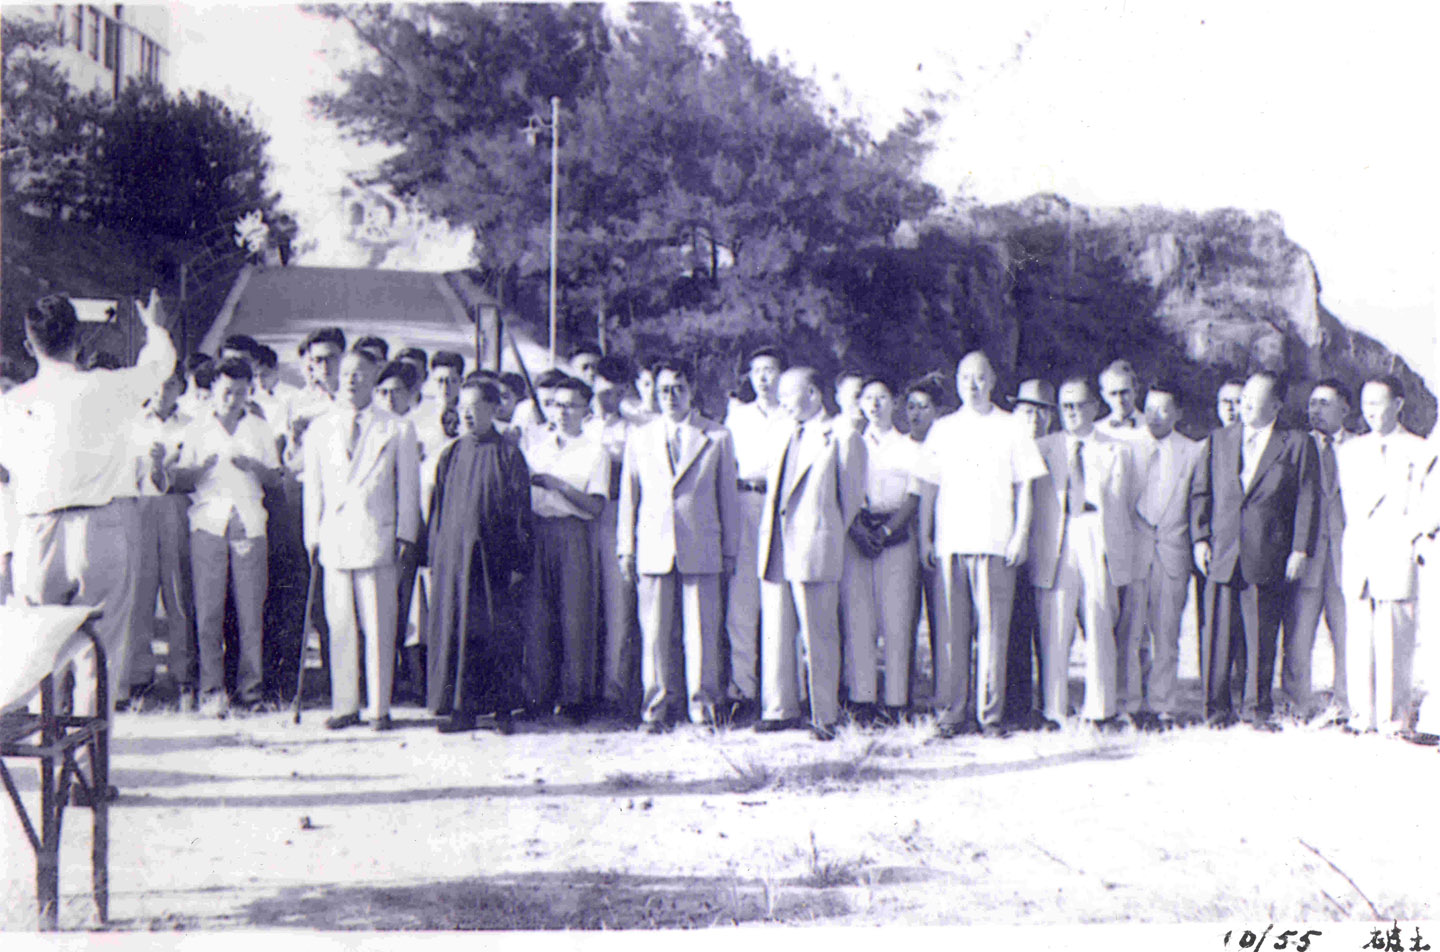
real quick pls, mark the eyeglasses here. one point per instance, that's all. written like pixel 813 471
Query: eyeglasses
pixel 570 406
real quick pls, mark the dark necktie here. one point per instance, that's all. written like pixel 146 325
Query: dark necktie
pixel 1327 463
pixel 1075 481
pixel 787 464
pixel 674 445
pixel 354 436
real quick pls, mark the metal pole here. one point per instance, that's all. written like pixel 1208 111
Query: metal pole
pixel 554 211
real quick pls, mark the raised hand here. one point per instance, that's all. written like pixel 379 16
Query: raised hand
pixel 150 312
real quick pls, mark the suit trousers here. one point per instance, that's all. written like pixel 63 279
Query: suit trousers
pixel 1240 617
pixel 1022 654
pixel 361 604
pixel 560 641
pixel 618 669
pixel 1379 660
pixel 288 575
pixel 1302 622
pixel 83 557
pixel 882 608
pixel 742 612
pixel 810 610
pixel 233 562
pixel 977 596
pixel 930 593
pixel 163 573
pixel 1083 591
pixel 1147 641
pixel 680 613
pixel 415 608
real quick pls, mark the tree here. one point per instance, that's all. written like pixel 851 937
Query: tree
pixel 704 190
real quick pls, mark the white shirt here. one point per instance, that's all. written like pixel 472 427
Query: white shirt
pixel 65 435
pixel 757 435
pixel 891 462
pixel 226 489
pixel 149 430
pixel 275 404
pixel 975 461
pixel 578 461
pixel 1252 447
pixel 612 435
pixel 1131 429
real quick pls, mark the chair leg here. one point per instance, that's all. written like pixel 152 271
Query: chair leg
pixel 47 857
pixel 100 832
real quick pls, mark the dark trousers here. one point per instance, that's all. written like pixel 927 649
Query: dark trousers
pixel 289 574
pixel 1240 635
pixel 1023 653
pixel 561 642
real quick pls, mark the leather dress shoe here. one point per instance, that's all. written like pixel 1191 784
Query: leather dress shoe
pixel 456 724
pixel 774 727
pixel 822 732
pixel 341 721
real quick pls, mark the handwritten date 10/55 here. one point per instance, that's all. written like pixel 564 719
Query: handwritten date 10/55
pixel 1290 940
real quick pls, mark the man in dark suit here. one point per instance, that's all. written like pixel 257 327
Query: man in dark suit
pixel 1254 505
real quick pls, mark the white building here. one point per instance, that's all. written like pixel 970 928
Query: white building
pixel 104 47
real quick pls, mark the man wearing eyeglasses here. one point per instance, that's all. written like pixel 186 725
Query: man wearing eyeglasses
pixel 570 479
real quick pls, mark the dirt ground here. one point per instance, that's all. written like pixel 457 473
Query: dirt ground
pixel 254 822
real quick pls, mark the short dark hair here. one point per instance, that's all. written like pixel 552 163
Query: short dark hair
pixel 235 369
pixel 103 360
pixel 367 354
pixel 553 377
pixel 487 388
pixel 614 368
pixel 515 383
pixel 266 357
pixel 576 386
pixel 876 378
pixel 586 347
pixel 1389 382
pixel 1334 383
pixel 1230 382
pixel 407 373
pixel 52 325
pixel 204 375
pixel 769 350
pixel 323 335
pixel 931 385
pixel 677 366
pixel 10 368
pixel 1167 385
pixel 1277 383
pixel 377 344
pixel 416 356
pixel 244 343
pixel 645 364
pixel 447 358
pixel 195 361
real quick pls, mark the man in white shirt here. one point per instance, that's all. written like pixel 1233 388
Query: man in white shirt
pixel 228 458
pixel 436 423
pixel 754 428
pixel 1381 475
pixel 1148 635
pixel 848 414
pixel 570 479
pixel 65 441
pixel 1120 389
pixel 362 517
pixel 977 466
pixel 1035 412
pixel 1318 591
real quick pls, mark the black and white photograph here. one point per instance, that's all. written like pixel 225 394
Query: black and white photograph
pixel 504 469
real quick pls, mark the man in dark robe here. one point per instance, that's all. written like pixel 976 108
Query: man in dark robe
pixel 479 547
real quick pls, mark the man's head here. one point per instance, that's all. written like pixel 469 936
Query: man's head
pixel 975 380
pixel 877 403
pixel 612 376
pixel 1381 400
pixel 417 358
pixel 674 387
pixel 168 394
pixel 267 366
pixel 479 401
pixel 321 351
pixel 1078 407
pixel 583 360
pixel 922 404
pixel 240 347
pixel 395 387
pixel 358 370
pixel 1328 406
pixel 201 371
pixel 1035 406
pixel 799 393
pixel 1162 409
pixel 645 382
pixel 764 368
pixel 570 399
pixel 1227 401
pixel 847 393
pixel 1119 388
pixel 231 390
pixel 513 392
pixel 1261 399
pixel 52 329
pixel 447 370
pixel 377 347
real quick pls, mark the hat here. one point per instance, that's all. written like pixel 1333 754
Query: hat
pixel 1039 392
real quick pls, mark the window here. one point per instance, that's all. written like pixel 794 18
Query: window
pixel 77 27
pixel 149 60
pixel 94 34
pixel 112 41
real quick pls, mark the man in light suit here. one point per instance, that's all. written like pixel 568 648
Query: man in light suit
pixel 1318 590
pixel 362 518
pixel 1254 503
pixel 1083 534
pixel 1148 638
pixel 1381 474
pixel 814 489
pixel 678 529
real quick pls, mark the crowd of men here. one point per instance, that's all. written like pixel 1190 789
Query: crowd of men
pixel 592 544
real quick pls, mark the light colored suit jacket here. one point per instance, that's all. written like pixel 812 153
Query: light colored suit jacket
pixel 357 506
pixel 1110 467
pixel 1167 538
pixel 681 518
pixel 823 492
pixel 1383 513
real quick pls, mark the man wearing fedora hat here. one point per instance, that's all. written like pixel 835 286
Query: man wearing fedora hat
pixel 1034 409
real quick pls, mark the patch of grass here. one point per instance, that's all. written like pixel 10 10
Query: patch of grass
pixel 825 871
pixel 751 774
pixel 622 780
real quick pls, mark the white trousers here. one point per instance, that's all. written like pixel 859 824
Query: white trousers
pixel 1379 659
pixel 361 603
pixel 880 603
pixel 810 610
pixel 680 614
pixel 1083 591
pixel 1147 642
